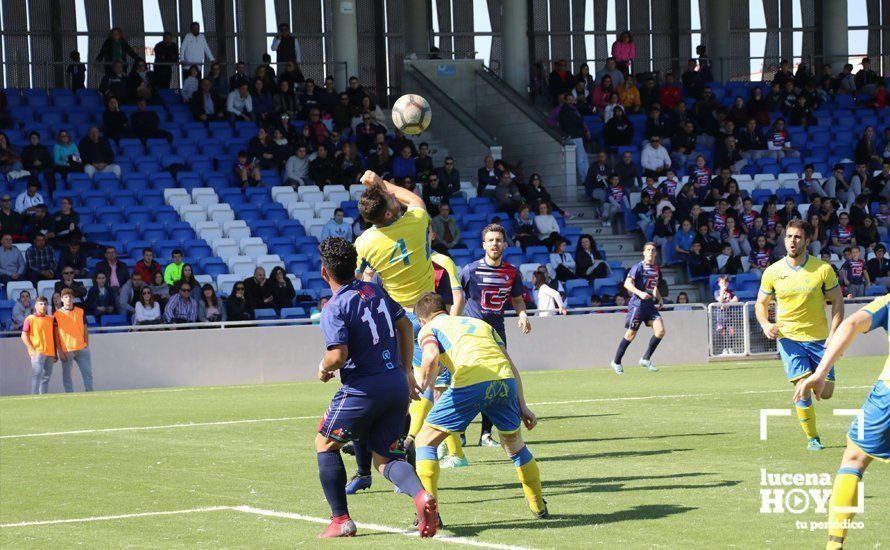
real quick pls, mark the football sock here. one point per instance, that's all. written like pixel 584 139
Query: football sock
pixel 486 424
pixel 844 494
pixel 653 343
pixel 454 446
pixel 418 411
pixel 428 469
pixel 530 477
pixel 332 474
pixel 403 476
pixel 362 458
pixel 807 415
pixel 622 347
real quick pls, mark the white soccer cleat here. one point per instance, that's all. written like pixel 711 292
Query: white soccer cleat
pixel 647 364
pixel 617 368
pixel 452 461
pixel 441 450
pixel 487 441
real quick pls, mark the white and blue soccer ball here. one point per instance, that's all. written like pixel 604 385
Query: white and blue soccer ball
pixel 411 114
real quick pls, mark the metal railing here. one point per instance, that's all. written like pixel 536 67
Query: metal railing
pixel 521 102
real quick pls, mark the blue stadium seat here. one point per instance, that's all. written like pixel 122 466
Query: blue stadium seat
pixel 151 198
pixel 134 248
pixel 153 231
pixel 109 215
pixel 114 320
pixel 264 314
pixel 213 266
pixel 293 313
pixel 180 231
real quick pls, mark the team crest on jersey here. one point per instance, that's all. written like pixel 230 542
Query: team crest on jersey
pixel 365 292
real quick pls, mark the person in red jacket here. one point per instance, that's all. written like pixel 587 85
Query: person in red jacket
pixel 147 266
pixel 669 95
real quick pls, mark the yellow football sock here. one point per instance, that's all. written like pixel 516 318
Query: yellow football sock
pixel 807 415
pixel 418 411
pixel 844 494
pixel 530 477
pixel 454 446
pixel 428 469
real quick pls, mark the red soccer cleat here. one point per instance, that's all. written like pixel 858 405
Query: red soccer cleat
pixel 427 514
pixel 341 526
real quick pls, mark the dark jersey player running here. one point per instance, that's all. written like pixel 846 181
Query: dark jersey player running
pixel 642 283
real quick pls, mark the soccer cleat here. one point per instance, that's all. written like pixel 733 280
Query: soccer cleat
pixel 543 514
pixel 349 448
pixel 815 444
pixel 452 461
pixel 341 526
pixel 358 483
pixel 487 441
pixel 442 450
pixel 648 365
pixel 617 368
pixel 427 514
pixel 463 440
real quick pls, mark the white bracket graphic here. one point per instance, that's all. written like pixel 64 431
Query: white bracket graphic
pixel 860 419
pixel 765 414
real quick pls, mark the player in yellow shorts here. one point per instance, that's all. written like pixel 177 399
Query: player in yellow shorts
pixel 801 284
pixel 484 379
pixel 870 443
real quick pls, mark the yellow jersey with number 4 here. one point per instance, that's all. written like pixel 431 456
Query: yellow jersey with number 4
pixel 879 309
pixel 800 297
pixel 400 254
pixel 469 348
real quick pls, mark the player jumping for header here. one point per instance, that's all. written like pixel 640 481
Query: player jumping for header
pixel 800 284
pixel 642 282
pixel 370 341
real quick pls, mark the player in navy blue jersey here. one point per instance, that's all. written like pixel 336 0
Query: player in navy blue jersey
pixel 488 283
pixel 371 342
pixel 642 283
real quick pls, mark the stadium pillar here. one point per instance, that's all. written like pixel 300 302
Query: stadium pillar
pixel 833 29
pixel 717 24
pixel 345 42
pixel 254 33
pixel 514 33
pixel 418 28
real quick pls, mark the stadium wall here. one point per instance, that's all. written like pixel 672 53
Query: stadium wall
pixel 255 355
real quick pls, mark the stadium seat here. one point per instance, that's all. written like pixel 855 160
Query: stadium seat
pixel 293 313
pixel 265 314
pixel 114 320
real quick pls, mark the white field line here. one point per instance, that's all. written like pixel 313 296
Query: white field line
pixel 289 418
pixel 268 513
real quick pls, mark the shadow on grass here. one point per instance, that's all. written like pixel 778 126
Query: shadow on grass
pixel 534 442
pixel 572 416
pixel 637 513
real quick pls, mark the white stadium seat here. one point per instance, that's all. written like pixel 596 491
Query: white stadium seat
pixel 314 227
pixel 178 201
pixel 45 289
pixel 14 288
pixel 241 266
pixel 175 191
pixel 329 189
pixel 225 283
pixel 279 189
pixel 205 279
pixel 304 189
pixel 253 247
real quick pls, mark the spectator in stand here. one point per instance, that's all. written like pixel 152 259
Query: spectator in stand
pixel 628 171
pixel 700 177
pixel 846 82
pixel 753 144
pixel 561 262
pixel 684 144
pixel 115 124
pixel 866 149
pixel 74 257
pixel 524 230
pixel 219 84
pixel 630 95
pixel 336 227
pixel 147 310
pixel 572 123
pixel 194 49
pixel 173 271
pixel 867 235
pixel 613 103
pixel 72 341
pixel 691 79
pixel 21 310
pixel 129 293
pixel 12 263
pixel 698 264
pixel 97 154
pixel 802 114
pixel 210 309
pixel 663 234
pixel 181 308
pixel 602 93
pixel 669 94
pixel 655 159
pixel 506 195
pixel 100 299
pixel 446 232
pixel 147 266
pixel 585 77
pixel 582 98
pixel 356 92
pixel 188 278
pixel 866 79
pixel 287 102
pixel 40 223
pixel 68 282
pixel 683 239
pixel 349 164
pixel 238 308
pixel 309 99
pixel 790 212
pixel 854 275
pixel 146 124
pixel 247 172
pixel 253 289
pixel 880 183
pixel 704 113
pixel 618 131
pixel 37 160
pixel 65 224
pixel 487 178
pixel 11 222
pixel 809 185
pixel 329 96
pixel 535 194
pixel 287 46
pixel 263 102
pixel 738 113
pixel 645 213
pixel 239 104
pixel 76 72
pixel 296 170
pixel 166 56
pixel 649 93
pixel 843 235
pixel 861 179
pixel 449 176
pixel 618 203
pixel 560 80
pixel 279 290
pixel 611 69
pixel 879 267
pixel 268 78
pixel 403 165
pixel 206 106
pixel 261 150
pixel 115 84
pixel 779 141
pixel 116 49
pixel 115 270
pixel 588 262
pixel 625 52
pixel 657 124
pixel 789 97
pixel 548 300
pixel 39 338
pixel 366 134
pixel 159 288
pixel 40 261
pixel 323 169
pixel 435 195
pixel 10 160
pixel 239 77
pixel 281 147
pixel 29 199
pixel 546 226
pixel 140 82
pixel 729 156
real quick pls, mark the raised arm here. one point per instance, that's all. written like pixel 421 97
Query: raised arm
pixel 406 198
pixel 460 301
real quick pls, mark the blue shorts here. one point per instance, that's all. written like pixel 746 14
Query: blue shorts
pixel 875 437
pixel 444 379
pixel 801 358
pixel 644 312
pixel 415 324
pixel 457 407
pixel 377 419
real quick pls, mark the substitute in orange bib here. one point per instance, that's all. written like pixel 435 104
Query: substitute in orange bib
pixel 38 336
pixel 72 342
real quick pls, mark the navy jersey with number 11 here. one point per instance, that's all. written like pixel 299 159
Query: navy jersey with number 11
pixel 645 278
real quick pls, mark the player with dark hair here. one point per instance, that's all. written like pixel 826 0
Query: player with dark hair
pixel 370 341
pixel 485 379
pixel 870 443
pixel 642 283
pixel 801 284
pixel 488 283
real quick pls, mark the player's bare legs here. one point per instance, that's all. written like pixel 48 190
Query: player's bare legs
pixel 845 494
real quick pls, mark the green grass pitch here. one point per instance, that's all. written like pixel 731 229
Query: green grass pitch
pixel 670 459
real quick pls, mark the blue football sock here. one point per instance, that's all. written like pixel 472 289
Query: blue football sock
pixel 332 474
pixel 653 343
pixel 362 458
pixel 403 476
pixel 622 347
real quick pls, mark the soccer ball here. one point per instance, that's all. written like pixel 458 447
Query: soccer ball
pixel 411 114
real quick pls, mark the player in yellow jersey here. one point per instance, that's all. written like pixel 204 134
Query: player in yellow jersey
pixel 397 248
pixel 800 285
pixel 484 379
pixel 873 441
